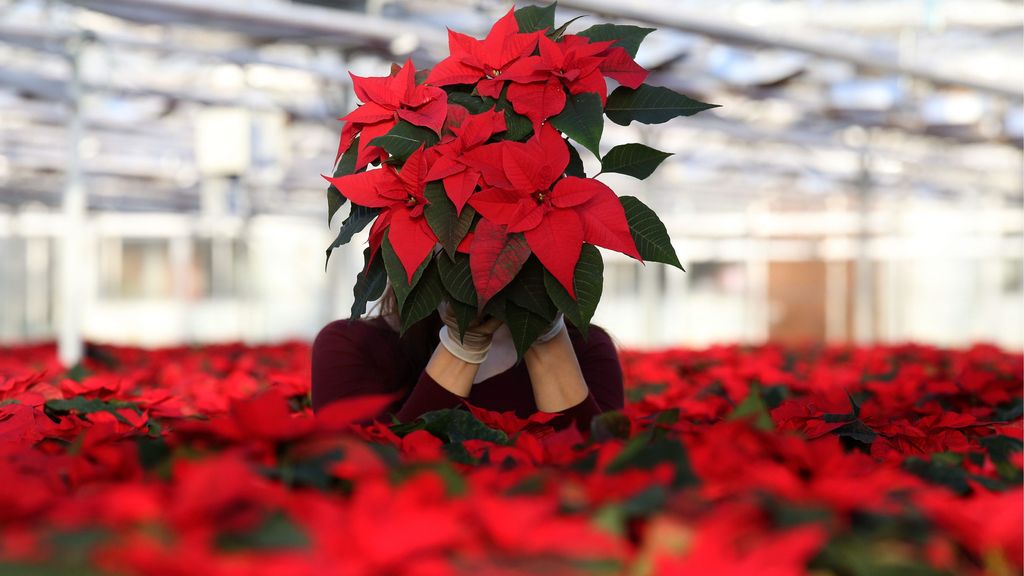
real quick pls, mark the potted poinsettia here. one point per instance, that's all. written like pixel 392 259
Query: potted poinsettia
pixel 472 180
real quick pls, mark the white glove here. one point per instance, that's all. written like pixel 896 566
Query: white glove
pixel 474 344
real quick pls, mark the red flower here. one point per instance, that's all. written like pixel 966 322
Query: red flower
pixel 575 64
pixel 482 62
pixel 447 160
pixel 388 99
pixel 399 195
pixel 557 215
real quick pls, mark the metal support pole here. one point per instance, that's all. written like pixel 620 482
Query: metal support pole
pixel 71 275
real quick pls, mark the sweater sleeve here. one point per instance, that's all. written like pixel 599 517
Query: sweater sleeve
pixel 599 362
pixel 346 362
pixel 579 415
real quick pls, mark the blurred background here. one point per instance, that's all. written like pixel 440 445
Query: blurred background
pixel 160 167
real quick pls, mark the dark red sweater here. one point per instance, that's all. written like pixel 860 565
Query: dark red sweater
pixel 357 357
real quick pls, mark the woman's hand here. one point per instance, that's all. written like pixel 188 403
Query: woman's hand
pixel 472 347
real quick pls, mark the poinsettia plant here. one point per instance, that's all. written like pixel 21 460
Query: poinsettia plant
pixel 471 176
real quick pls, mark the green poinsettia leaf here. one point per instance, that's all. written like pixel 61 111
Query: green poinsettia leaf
pixel 629 37
pixel 449 226
pixel 634 160
pixel 588 281
pixel 357 219
pixel 581 120
pixel 517 127
pixel 370 284
pixel 650 105
pixel 396 272
pixel 475 104
pixel 524 325
pixel 575 167
pixel 346 165
pixel 457 278
pixel 649 233
pixel 425 296
pixel 528 291
pixel 464 313
pixel 404 139
pixel 536 18
pixel 82 405
pixel 557 33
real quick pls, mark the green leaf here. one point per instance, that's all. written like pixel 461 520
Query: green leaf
pixel 581 120
pixel 855 431
pixel 634 160
pixel 557 33
pixel 277 532
pixel 475 104
pixel 575 167
pixel 346 165
pixel 588 282
pixel 629 37
pixel 952 476
pixel 449 226
pixel 357 219
pixel 404 139
pixel 81 405
pixel 524 325
pixel 396 272
pixel 610 425
pixel 1000 448
pixel 424 298
pixel 457 425
pixel 645 451
pixel 370 284
pixel 536 18
pixel 649 233
pixel 464 313
pixel 650 105
pixel 457 278
pixel 754 409
pixel 517 127
pixel 528 291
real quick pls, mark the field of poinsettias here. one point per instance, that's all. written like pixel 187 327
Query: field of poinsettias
pixel 731 460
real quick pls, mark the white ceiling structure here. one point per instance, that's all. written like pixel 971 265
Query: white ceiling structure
pixel 920 98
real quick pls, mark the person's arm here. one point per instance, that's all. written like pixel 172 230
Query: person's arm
pixel 558 382
pixel 448 376
pixel 555 374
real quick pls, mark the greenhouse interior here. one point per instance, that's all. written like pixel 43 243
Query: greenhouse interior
pixel 860 181
pixel 815 370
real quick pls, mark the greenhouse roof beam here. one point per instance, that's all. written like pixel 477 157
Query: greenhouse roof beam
pixel 690 21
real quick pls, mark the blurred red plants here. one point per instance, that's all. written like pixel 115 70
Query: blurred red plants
pixel 728 460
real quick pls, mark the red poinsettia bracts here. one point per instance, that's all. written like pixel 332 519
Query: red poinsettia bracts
pixel 208 460
pixel 499 115
pixel 556 214
pixel 386 100
pixel 448 159
pixel 538 84
pixel 482 62
pixel 399 195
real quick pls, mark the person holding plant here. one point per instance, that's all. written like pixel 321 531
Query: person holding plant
pixel 434 369
pixel 485 229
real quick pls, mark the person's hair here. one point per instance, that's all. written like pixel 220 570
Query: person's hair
pixel 387 306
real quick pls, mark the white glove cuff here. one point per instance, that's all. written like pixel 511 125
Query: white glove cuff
pixel 556 327
pixel 453 346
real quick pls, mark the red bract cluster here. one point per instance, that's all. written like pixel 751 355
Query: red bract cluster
pixel 470 173
pixel 884 460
